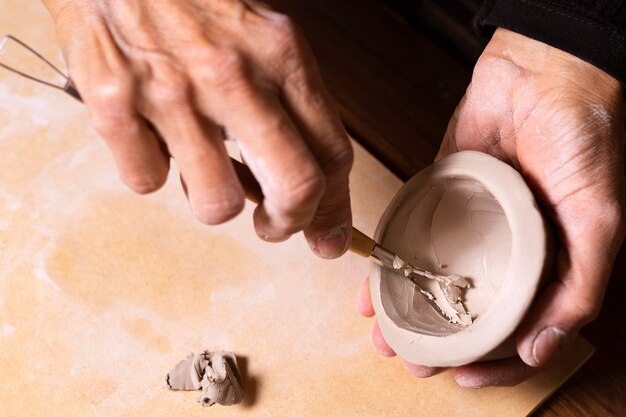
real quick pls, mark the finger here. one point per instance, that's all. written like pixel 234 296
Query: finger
pixel 420 371
pixel 476 126
pixel 501 373
pixel 141 163
pixel 213 190
pixel 100 74
pixel 364 300
pixel 380 345
pixel 574 299
pixel 288 173
pixel 272 146
pixel 309 104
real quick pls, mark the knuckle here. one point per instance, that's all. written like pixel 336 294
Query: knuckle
pixel 226 68
pixel 586 311
pixel 109 94
pixel 302 193
pixel 332 207
pixel 340 161
pixel 283 27
pixel 583 306
pixel 288 48
pixel 173 92
pixel 110 106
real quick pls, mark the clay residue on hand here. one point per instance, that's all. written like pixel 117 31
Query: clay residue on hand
pixel 216 374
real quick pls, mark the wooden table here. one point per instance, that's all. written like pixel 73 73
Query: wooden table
pixel 396 90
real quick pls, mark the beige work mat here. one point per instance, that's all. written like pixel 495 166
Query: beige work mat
pixel 103 291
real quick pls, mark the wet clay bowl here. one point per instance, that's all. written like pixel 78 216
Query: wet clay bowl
pixel 472 215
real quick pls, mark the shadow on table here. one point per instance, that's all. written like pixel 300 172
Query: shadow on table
pixel 249 383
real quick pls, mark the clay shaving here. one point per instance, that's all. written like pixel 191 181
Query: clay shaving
pixel 450 285
pixel 216 374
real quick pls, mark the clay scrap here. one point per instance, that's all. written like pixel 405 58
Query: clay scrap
pixel 216 374
pixel 453 308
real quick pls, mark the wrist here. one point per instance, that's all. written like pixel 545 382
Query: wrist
pixel 564 70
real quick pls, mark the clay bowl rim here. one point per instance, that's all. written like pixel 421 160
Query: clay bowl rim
pixel 528 254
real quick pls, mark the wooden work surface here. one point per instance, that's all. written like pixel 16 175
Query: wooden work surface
pixel 102 291
pixel 396 90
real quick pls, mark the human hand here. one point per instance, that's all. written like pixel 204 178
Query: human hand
pixel 560 122
pixel 169 77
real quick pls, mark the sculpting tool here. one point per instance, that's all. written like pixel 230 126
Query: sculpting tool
pixel 365 246
pixel 44 70
pixel 360 244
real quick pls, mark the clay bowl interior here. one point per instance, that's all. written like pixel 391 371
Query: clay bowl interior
pixel 472 215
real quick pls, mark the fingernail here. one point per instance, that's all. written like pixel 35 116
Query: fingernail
pixel 546 344
pixel 332 244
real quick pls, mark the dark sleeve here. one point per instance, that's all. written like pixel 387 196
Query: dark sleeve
pixel 593 30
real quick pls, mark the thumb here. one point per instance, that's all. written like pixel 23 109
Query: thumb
pixel 470 128
pixel 574 298
pixel 330 231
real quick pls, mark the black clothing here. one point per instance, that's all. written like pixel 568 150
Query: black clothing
pixel 593 30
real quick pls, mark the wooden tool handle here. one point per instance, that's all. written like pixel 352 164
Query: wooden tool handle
pixel 250 185
pixel 361 244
